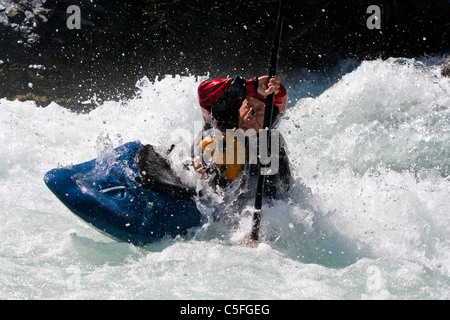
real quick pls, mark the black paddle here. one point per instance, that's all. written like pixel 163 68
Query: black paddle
pixel 254 236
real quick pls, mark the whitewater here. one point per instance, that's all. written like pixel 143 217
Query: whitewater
pixel 367 217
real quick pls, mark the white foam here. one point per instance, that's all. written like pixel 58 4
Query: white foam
pixel 367 217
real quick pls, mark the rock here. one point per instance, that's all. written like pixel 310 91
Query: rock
pixel 16 16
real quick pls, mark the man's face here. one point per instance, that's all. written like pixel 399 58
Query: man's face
pixel 251 114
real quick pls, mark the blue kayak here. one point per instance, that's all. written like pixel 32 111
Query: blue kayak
pixel 122 200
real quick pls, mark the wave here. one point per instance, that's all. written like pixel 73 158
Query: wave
pixel 370 160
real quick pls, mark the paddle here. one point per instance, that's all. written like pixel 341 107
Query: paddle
pixel 254 236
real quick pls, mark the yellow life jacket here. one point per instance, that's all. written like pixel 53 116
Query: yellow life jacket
pixel 230 170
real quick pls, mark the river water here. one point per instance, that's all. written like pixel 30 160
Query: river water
pixel 367 217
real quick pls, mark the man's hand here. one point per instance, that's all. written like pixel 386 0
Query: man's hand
pixel 266 87
pixel 249 242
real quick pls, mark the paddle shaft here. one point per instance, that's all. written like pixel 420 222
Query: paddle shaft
pixel 268 113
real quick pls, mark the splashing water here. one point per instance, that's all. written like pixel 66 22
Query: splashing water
pixel 367 216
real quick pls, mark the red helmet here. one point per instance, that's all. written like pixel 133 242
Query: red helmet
pixel 279 100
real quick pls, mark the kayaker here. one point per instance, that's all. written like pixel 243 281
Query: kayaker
pixel 238 103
